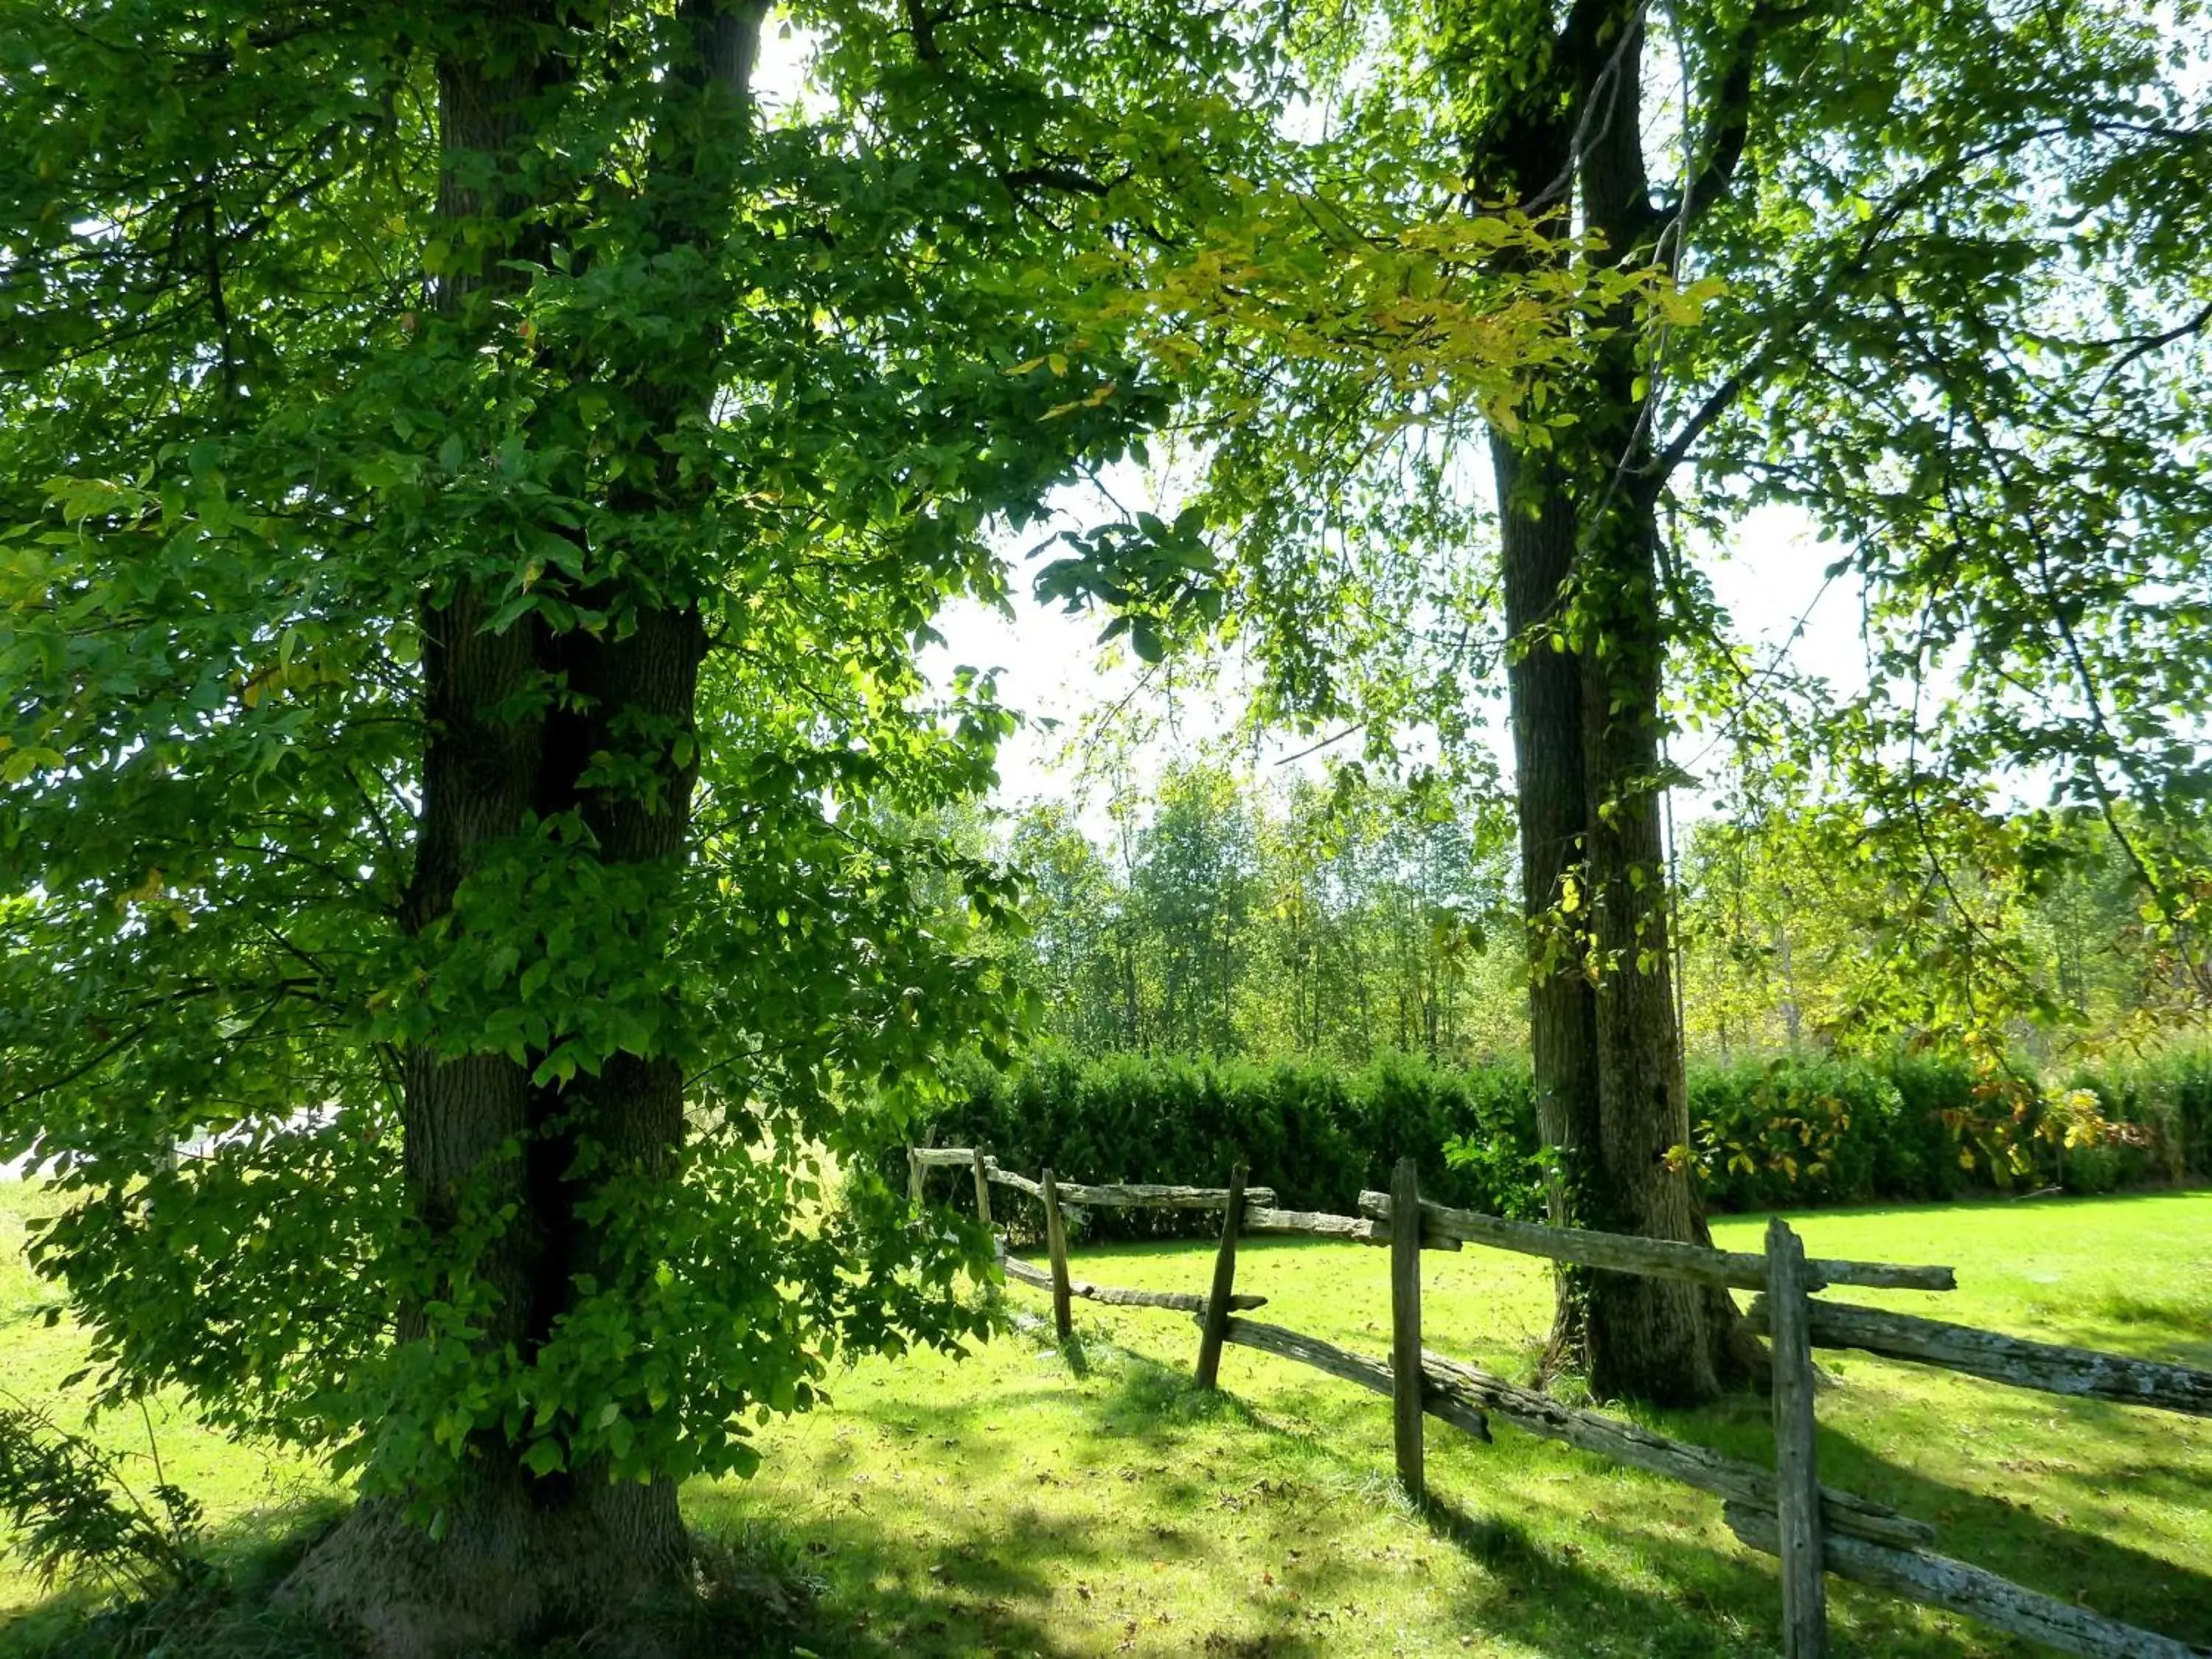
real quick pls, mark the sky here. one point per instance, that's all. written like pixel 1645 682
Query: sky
pixel 1772 579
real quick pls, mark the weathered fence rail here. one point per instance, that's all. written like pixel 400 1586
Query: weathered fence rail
pixel 1118 1295
pixel 1728 1478
pixel 1441 1396
pixel 1137 1197
pixel 1320 1224
pixel 1815 1528
pixel 1129 1194
pixel 1957 1587
pixel 2082 1372
pixel 1621 1253
pixel 931 1158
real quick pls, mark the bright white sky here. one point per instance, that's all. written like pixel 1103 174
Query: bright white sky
pixel 1051 668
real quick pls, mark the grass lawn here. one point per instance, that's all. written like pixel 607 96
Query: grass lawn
pixel 1029 1500
pixel 252 1494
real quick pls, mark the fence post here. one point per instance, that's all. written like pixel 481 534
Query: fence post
pixel 1056 1242
pixel 1405 1326
pixel 983 1190
pixel 913 1177
pixel 1797 1480
pixel 1215 1325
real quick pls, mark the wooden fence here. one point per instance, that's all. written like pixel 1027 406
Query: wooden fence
pixel 1815 1530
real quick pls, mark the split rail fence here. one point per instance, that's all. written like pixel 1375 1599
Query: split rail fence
pixel 1786 1511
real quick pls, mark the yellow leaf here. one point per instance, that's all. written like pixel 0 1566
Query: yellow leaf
pixel 24 761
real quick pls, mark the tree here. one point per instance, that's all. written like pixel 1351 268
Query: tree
pixel 1340 918
pixel 1919 268
pixel 1190 898
pixel 471 480
pixel 2019 933
pixel 1072 951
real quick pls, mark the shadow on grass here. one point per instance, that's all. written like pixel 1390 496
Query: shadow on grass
pixel 912 1562
pixel 757 1582
pixel 909 1563
pixel 1544 1596
pixel 2041 1544
pixel 2175 1321
pixel 985 1580
pixel 229 1616
pixel 2042 1548
pixel 2049 1551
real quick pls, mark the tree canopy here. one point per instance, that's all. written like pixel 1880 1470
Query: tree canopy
pixel 476 480
pixel 472 483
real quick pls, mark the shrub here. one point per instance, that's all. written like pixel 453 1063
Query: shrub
pixel 1318 1134
pixel 1790 1132
pixel 71 1510
pixel 1781 1134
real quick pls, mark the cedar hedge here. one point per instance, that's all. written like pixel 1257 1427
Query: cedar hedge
pixel 1783 1135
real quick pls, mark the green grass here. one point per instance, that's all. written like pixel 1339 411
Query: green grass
pixel 1031 1500
pixel 253 1494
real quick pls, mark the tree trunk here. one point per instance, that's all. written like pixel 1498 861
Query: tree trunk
pixel 1545 693
pixel 519 1556
pixel 1658 1338
pixel 514 1557
pixel 1793 1019
pixel 1580 545
pixel 1612 1102
pixel 512 1567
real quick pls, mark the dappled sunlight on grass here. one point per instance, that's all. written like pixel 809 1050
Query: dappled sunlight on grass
pixel 251 1493
pixel 1041 1499
pixel 1017 1503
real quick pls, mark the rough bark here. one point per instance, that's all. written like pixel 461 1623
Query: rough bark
pixel 515 1557
pixel 1544 690
pixel 1524 152
pixel 1580 547
pixel 513 1565
pixel 1659 1339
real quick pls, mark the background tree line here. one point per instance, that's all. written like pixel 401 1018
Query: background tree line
pixel 1218 916
pixel 1342 917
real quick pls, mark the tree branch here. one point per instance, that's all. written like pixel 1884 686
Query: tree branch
pixel 1728 125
